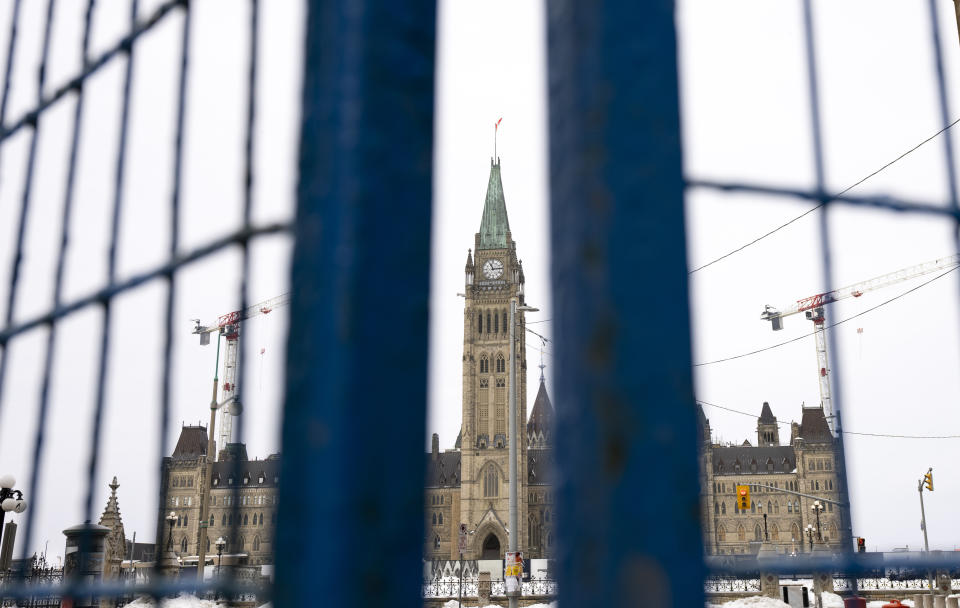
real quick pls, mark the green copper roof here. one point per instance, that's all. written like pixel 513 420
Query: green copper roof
pixel 494 226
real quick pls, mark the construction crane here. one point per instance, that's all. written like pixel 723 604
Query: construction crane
pixel 813 308
pixel 228 327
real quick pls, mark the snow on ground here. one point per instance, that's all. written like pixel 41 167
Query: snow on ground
pixel 756 601
pixel 184 600
pixel 453 604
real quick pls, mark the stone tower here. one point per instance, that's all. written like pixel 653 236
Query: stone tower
pixel 493 275
pixel 768 432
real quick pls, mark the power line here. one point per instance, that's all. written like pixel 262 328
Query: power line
pixel 859 314
pixel 540 321
pixel 811 210
pixel 887 435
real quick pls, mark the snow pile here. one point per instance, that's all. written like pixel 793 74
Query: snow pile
pixel 756 601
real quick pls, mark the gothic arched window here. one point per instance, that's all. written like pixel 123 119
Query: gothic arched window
pixel 753 507
pixel 501 363
pixel 480 323
pixel 245 519
pixel 434 519
pixel 776 508
pixel 261 519
pixel 741 533
pixel 488 322
pixel 491 482
pixel 484 364
pixel 723 508
pixel 183 544
pixel 505 326
pixel 775 532
pixel 716 508
pixel 223 522
pixel 440 519
pixel 211 520
pixel 721 534
pixel 436 542
pixel 496 323
pixel 256 543
pixel 241 543
pixel 757 533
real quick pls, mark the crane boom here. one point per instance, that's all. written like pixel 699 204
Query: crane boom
pixel 228 326
pixel 813 305
pixel 858 289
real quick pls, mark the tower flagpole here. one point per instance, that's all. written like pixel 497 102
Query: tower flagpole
pixel 496 126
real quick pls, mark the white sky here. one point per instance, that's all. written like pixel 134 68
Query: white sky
pixel 745 117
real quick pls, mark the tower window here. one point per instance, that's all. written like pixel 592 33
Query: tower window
pixel 491 482
pixel 496 324
pixel 484 364
pixel 501 364
pixel 505 326
pixel 480 323
pixel 488 321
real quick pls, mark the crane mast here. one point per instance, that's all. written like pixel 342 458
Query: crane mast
pixel 813 309
pixel 228 327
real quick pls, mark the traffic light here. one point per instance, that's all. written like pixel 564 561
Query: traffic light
pixel 743 498
pixel 928 480
pixel 861 545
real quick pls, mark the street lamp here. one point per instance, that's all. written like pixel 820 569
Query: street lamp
pixel 809 530
pixel 221 543
pixel 10 499
pixel 512 598
pixel 817 507
pixel 171 519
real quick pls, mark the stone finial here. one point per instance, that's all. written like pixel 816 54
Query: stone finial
pixel 113 486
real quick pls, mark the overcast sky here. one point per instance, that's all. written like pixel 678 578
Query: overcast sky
pixel 745 117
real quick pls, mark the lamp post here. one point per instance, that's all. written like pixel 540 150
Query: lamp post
pixel 221 543
pixel 817 507
pixel 512 598
pixel 10 499
pixel 809 530
pixel 171 519
pixel 766 535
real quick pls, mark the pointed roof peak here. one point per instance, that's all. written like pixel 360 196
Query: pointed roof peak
pixel 766 414
pixel 494 225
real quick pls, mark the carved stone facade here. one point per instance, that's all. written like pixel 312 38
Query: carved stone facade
pixel 115 546
pixel 243 500
pixel 807 465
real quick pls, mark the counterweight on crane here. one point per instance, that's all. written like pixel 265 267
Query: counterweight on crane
pixel 812 307
pixel 228 327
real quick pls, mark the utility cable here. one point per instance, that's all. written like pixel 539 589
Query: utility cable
pixel 859 314
pixel 887 435
pixel 811 210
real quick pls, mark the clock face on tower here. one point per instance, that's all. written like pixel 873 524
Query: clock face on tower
pixel 492 269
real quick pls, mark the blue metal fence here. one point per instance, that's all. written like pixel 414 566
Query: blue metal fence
pixel 351 508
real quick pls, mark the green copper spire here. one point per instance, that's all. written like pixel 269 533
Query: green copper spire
pixel 494 226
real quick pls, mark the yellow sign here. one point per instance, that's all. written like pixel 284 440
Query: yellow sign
pixel 514 570
pixel 743 497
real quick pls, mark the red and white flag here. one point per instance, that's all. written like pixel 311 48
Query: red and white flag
pixel 497 125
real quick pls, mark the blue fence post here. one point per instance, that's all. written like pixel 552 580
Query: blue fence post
pixel 350 528
pixel 627 452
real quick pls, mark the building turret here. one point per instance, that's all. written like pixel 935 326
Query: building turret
pixel 468 269
pixel 768 431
